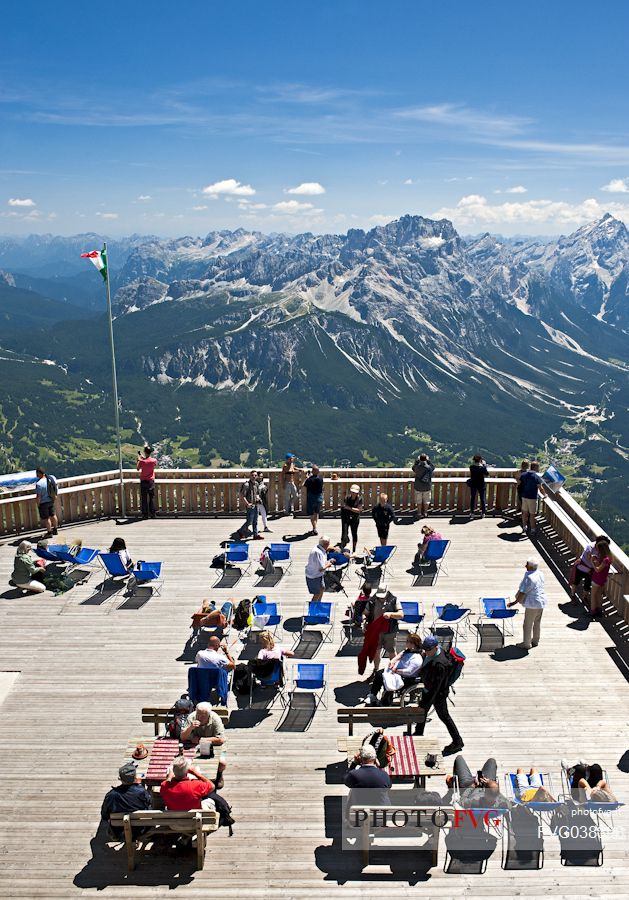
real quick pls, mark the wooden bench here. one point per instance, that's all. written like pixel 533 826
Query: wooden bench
pixel 366 816
pixel 198 823
pixel 385 716
pixel 158 715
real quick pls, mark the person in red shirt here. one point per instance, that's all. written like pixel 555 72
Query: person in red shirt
pixel 146 467
pixel 185 787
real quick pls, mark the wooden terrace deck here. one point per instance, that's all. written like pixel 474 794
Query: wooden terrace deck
pixel 87 669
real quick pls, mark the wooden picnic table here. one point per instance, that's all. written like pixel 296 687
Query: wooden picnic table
pixel 409 757
pixel 161 754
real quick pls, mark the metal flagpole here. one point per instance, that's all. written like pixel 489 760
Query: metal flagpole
pixel 114 381
pixel 268 424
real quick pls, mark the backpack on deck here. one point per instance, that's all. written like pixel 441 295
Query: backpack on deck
pixel 382 745
pixel 242 615
pixel 177 715
pixel 51 487
pixel 224 810
pixel 457 661
pixel 241 681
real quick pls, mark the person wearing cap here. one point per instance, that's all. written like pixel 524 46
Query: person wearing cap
pixel 531 594
pixel 288 482
pixel 186 787
pixel 351 508
pixel 128 797
pixel 401 671
pixel 435 674
pixel 27 575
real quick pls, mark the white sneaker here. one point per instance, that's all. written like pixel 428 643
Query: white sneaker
pixel 371 700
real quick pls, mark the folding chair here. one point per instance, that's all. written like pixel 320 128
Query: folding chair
pixel 452 616
pixel 148 574
pixel 435 552
pixel 539 807
pixel 273 679
pixel 238 556
pixel 280 553
pixel 494 616
pixel 336 573
pixel 318 613
pixel 114 569
pixel 202 682
pixel 309 678
pixel 413 614
pixel 380 557
pixel 266 616
pixel 602 811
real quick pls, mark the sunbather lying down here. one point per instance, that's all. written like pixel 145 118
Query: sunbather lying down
pixel 587 783
pixel 531 787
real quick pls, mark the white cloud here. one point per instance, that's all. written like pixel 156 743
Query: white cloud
pixel 383 182
pixel 229 187
pixel 16 201
pixel 310 188
pixel 293 206
pixel 378 219
pixel 199 208
pixel 475 210
pixel 459 116
pixel 143 198
pixel 410 181
pixel 107 215
pixel 617 186
pixel 518 189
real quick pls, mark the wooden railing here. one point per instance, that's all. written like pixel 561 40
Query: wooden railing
pixel 215 492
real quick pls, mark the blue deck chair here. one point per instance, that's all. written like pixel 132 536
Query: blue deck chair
pixel 238 556
pixel 114 569
pixel 273 680
pixel 435 552
pixel 280 553
pixel 309 678
pixel 50 554
pixel 148 574
pixel 382 556
pixel 602 811
pixel 495 611
pixel 452 616
pixel 266 616
pixel 541 808
pixel 413 614
pixel 203 682
pixel 318 613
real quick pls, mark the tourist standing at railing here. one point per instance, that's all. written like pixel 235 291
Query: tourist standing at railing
pixel 250 492
pixel 46 491
pixel 525 465
pixel 288 482
pixel 602 562
pixel 146 466
pixel 351 508
pixel 263 490
pixel 476 482
pixel 532 487
pixel 314 496
pixel 422 469
pixel 532 595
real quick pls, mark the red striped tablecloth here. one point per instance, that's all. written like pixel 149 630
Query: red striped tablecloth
pixel 405 761
pixel 162 754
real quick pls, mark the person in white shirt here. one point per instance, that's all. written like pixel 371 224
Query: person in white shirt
pixel 402 669
pixel 532 596
pixel 217 656
pixel 316 566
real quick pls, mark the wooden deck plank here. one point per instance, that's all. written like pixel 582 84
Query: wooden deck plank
pixel 87 671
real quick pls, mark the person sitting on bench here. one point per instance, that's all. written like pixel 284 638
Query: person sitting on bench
pixel 186 787
pixel 368 783
pixel 401 671
pixel 128 797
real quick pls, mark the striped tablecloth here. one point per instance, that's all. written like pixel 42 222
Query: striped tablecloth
pixel 162 754
pixel 405 761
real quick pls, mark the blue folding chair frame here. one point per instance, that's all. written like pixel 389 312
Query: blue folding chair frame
pixel 148 574
pixel 495 609
pixel 237 554
pixel 436 552
pixel 318 613
pixel 311 678
pixel 413 614
pixel 600 809
pixel 456 622
pixel 272 612
pixel 279 554
pixel 114 568
pixel 275 680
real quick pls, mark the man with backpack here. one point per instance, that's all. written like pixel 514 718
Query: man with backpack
pixel 438 673
pixel 422 471
pixel 250 493
pixel 46 490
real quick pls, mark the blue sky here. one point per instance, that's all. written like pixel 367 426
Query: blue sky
pixel 179 119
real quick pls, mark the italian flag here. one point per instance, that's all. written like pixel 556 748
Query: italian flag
pixel 99 258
